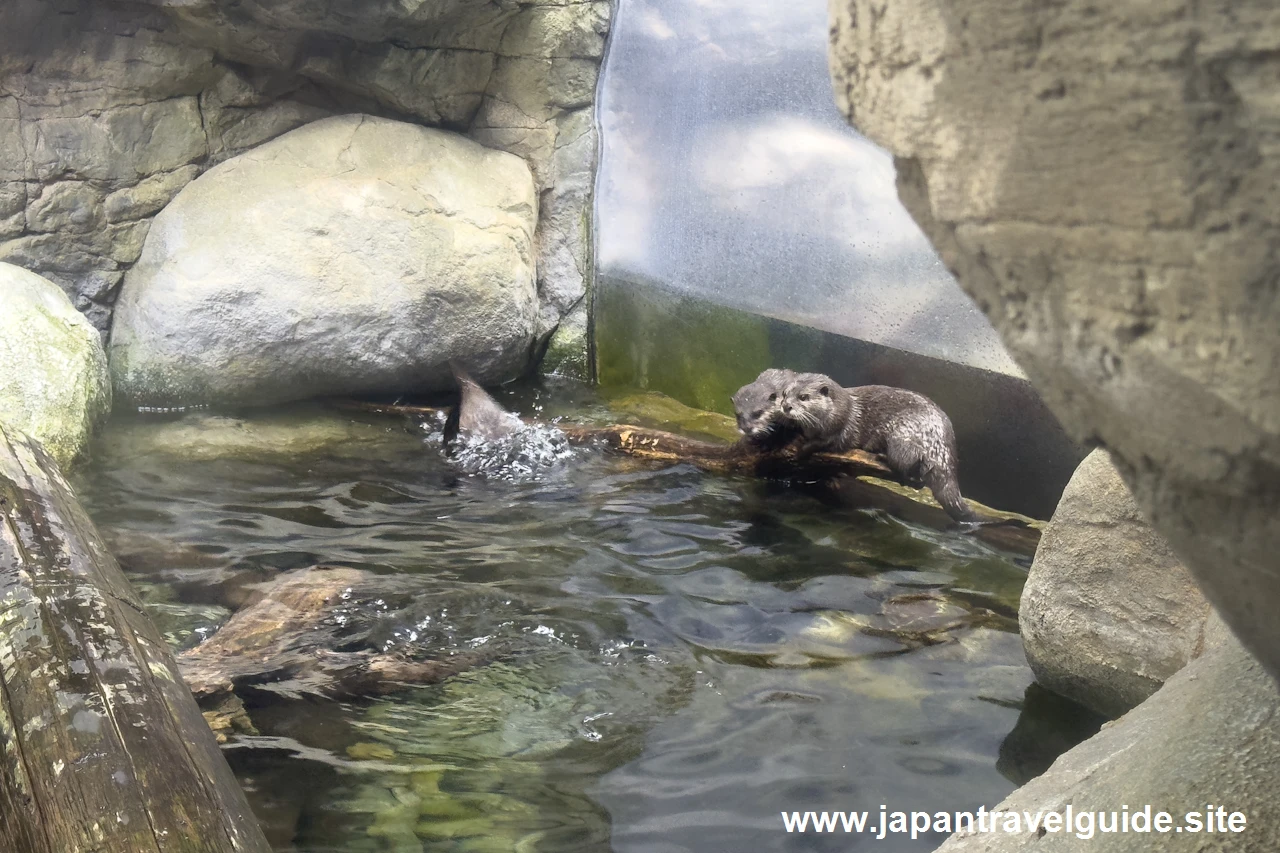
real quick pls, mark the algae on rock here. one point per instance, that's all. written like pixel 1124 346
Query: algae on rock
pixel 54 384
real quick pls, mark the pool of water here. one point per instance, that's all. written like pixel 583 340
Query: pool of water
pixel 683 656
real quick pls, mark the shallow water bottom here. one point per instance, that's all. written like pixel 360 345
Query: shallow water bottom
pixel 668 659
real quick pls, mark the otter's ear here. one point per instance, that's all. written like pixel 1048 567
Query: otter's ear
pixel 772 397
pixel 824 391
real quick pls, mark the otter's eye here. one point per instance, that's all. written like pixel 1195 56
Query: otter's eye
pixel 757 413
pixel 772 397
pixel 824 391
pixel 804 398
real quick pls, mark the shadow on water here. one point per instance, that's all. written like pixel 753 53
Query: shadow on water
pixel 683 655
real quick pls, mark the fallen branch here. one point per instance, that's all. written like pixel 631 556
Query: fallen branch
pixel 854 478
pixel 285 640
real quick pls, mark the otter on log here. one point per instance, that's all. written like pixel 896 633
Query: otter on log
pixel 914 435
pixel 758 407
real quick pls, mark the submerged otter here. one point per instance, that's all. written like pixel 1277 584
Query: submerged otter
pixel 908 429
pixel 758 407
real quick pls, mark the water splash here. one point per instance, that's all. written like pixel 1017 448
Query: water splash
pixel 524 455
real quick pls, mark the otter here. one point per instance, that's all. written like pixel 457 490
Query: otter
pixel 477 413
pixel 758 409
pixel 908 429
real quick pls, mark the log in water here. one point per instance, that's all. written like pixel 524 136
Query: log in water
pixel 102 747
pixel 284 641
pixel 852 478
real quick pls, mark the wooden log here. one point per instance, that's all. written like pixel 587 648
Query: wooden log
pixel 662 446
pixel 853 478
pixel 737 458
pixel 284 642
pixel 102 748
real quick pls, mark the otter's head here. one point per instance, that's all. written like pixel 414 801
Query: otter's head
pixel 757 405
pixel 809 402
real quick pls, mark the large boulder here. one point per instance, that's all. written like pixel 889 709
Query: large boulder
pixel 54 384
pixel 109 107
pixel 1102 178
pixel 355 254
pixel 1108 612
pixel 1207 739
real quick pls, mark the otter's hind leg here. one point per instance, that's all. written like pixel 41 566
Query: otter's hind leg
pixel 907 459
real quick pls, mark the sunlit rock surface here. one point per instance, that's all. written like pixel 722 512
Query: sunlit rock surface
pixel 108 108
pixel 290 433
pixel 54 384
pixel 1208 737
pixel 354 254
pixel 1102 178
pixel 1108 612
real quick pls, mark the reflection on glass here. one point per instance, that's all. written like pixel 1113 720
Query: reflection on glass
pixel 728 174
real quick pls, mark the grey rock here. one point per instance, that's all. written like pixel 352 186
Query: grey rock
pixel 1209 736
pixel 355 254
pixel 117 145
pixel 1102 180
pixel 54 253
pixel 73 206
pixel 132 100
pixel 440 87
pixel 564 227
pixel 574 31
pixel 568 350
pixel 149 195
pixel 54 385
pixel 13 156
pixel 1108 612
pixel 241 112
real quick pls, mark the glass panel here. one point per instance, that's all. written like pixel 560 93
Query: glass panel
pixel 728 174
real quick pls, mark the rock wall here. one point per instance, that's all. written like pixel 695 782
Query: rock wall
pixel 108 108
pixel 1102 179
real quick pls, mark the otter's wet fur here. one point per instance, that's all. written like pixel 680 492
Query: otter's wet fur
pixel 477 413
pixel 758 408
pixel 908 429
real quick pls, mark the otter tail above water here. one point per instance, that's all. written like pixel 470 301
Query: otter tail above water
pixel 477 413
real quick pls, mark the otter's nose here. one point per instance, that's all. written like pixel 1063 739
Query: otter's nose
pixel 786 408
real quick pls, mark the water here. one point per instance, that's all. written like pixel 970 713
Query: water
pixel 676 657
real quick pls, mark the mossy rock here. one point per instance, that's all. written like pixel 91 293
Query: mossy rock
pixel 54 384
pixel 649 408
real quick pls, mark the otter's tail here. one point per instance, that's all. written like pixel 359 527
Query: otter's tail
pixel 946 490
pixel 476 413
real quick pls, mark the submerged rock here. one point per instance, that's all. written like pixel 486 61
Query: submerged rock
pixel 54 384
pixel 1108 611
pixel 298 431
pixel 355 254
